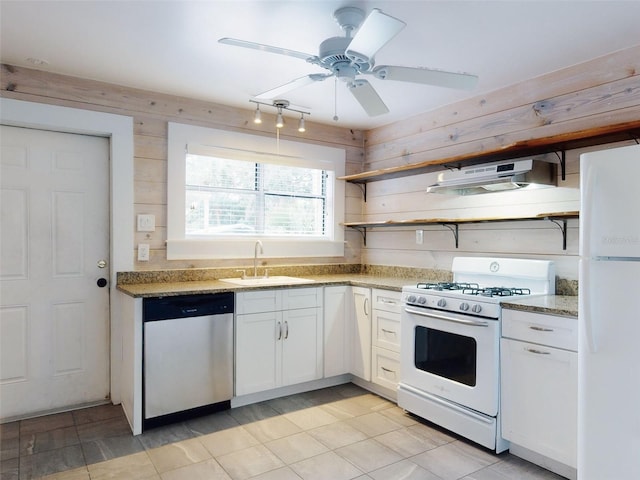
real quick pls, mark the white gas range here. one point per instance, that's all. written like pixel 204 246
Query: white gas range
pixel 450 343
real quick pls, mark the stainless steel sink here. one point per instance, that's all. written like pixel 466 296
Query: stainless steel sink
pixel 274 280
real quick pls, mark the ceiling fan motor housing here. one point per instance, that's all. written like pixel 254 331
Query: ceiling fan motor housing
pixel 332 57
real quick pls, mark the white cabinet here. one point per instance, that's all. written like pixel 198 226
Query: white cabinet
pixel 539 385
pixel 361 333
pixel 278 338
pixel 385 359
pixel 337 315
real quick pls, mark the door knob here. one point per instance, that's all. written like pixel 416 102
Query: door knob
pixel 102 263
pixel 102 282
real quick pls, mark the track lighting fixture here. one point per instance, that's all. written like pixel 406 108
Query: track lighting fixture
pixel 280 105
pixel 257 116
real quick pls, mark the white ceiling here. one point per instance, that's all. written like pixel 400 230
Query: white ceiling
pixel 171 46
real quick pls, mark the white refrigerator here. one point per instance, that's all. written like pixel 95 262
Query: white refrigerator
pixel 609 315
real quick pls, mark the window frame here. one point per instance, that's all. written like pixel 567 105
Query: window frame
pixel 243 146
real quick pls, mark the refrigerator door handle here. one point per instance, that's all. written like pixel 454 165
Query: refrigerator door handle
pixel 585 311
pixel 586 213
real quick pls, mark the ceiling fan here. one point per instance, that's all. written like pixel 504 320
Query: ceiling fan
pixel 348 57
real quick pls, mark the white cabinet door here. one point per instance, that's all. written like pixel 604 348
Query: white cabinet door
pixel 539 399
pixel 337 314
pixel 361 333
pixel 301 344
pixel 276 347
pixel 258 359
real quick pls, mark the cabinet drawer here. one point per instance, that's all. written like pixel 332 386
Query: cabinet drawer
pixel 551 330
pixel 386 368
pixel 386 300
pixel 386 330
pixel 294 298
pixel 258 301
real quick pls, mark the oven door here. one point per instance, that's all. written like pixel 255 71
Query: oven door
pixel 452 356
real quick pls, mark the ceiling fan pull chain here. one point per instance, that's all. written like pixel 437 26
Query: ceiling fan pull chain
pixel 335 99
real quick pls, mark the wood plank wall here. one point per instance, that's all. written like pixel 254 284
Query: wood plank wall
pixel 604 91
pixel 600 92
pixel 151 112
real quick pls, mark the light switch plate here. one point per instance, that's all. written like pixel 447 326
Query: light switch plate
pixel 146 223
pixel 143 252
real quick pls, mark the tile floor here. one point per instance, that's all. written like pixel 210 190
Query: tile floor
pixel 336 433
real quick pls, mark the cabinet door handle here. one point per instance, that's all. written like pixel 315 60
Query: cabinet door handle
pixel 286 330
pixel 388 331
pixel 387 370
pixel 540 329
pixel 279 327
pixel 366 304
pixel 537 352
pixel 388 302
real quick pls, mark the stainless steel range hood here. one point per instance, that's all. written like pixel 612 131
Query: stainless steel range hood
pixel 496 177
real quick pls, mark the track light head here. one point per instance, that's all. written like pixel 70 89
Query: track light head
pixel 257 116
pixel 301 127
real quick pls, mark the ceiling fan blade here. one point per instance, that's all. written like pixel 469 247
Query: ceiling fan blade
pixel 268 48
pixel 292 85
pixel 374 33
pixel 368 98
pixel 427 76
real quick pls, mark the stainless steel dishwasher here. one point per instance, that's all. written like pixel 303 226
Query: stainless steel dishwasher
pixel 187 356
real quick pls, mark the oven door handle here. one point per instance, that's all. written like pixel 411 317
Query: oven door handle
pixel 473 323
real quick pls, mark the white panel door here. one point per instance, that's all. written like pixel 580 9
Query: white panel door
pixel 54 318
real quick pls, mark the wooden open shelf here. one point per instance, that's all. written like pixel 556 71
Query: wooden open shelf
pixel 558 218
pixel 556 143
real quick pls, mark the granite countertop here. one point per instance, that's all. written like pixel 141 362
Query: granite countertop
pixel 563 305
pixel 166 289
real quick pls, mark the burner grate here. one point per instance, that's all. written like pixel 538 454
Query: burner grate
pixel 496 291
pixel 447 286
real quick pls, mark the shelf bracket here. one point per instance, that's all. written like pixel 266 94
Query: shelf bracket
pixel 363 188
pixel 363 232
pixel 562 156
pixel 454 229
pixel 563 228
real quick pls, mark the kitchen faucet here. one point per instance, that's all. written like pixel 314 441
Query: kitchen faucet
pixel 255 258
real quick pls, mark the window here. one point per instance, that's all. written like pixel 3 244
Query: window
pixel 235 197
pixel 227 189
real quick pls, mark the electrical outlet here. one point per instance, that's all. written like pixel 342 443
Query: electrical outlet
pixel 143 252
pixel 419 237
pixel 146 223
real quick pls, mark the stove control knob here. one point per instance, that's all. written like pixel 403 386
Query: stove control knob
pixel 464 306
pixel 442 303
pixel 476 308
pixel 411 299
pixel 422 300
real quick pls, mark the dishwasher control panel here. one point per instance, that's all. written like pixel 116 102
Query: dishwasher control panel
pixel 183 306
